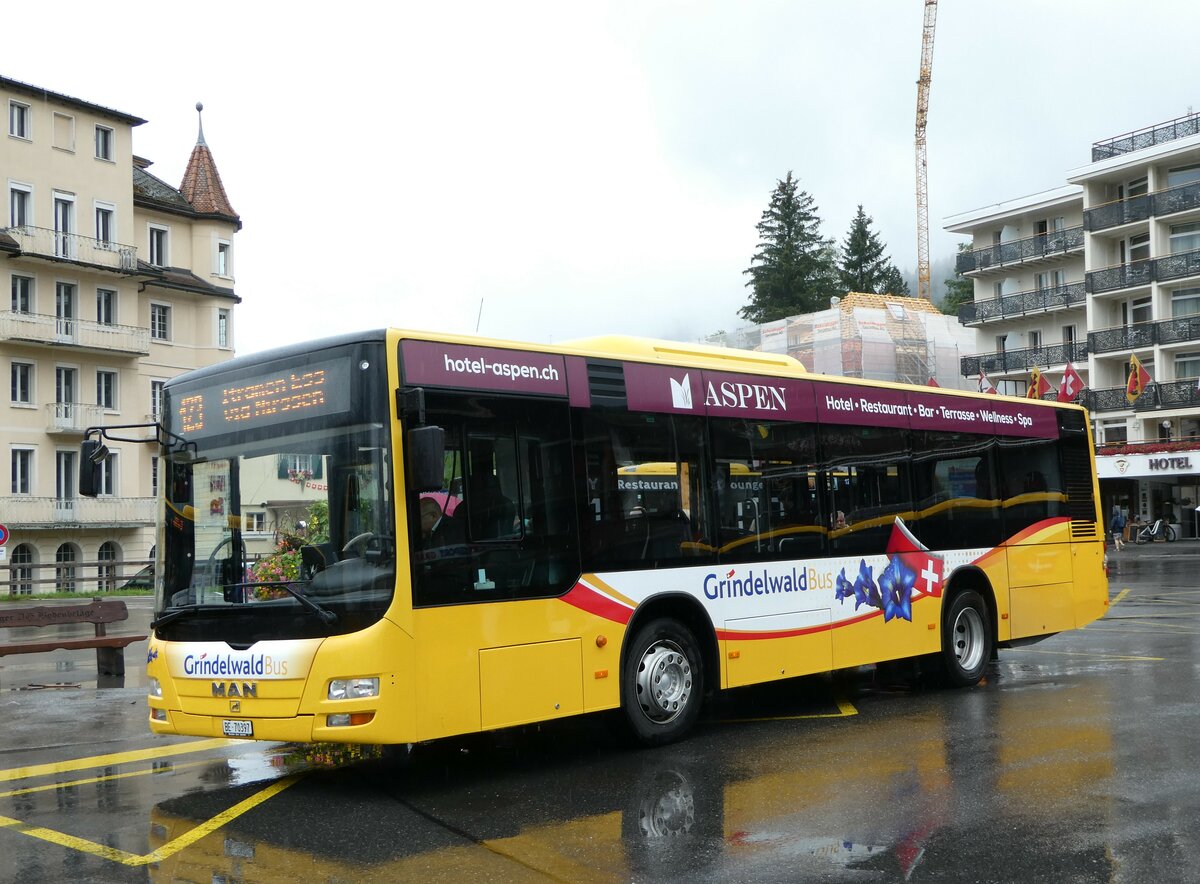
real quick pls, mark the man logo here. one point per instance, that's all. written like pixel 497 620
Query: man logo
pixel 681 393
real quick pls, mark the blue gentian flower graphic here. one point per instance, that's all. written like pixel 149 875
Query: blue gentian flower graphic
pixel 897 581
pixel 865 591
pixel 843 588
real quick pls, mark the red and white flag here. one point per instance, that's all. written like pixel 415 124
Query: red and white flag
pixel 1038 385
pixel 1071 384
pixel 932 382
pixel 985 386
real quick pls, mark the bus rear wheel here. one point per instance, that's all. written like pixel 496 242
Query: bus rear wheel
pixel 966 638
pixel 662 684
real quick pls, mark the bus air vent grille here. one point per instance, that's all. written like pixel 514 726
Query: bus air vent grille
pixel 606 383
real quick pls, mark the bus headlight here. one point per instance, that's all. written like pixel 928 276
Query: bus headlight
pixel 353 688
pixel 155 688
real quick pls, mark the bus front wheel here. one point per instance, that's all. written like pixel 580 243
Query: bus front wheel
pixel 966 638
pixel 662 684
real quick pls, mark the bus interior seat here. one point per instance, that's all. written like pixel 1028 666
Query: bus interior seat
pixel 666 535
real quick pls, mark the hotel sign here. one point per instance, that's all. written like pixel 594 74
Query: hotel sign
pixel 1135 466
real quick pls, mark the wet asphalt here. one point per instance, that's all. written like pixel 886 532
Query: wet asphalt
pixel 1076 761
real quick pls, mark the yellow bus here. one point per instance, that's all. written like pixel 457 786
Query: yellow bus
pixel 472 560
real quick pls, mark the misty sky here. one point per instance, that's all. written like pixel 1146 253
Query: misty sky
pixel 581 170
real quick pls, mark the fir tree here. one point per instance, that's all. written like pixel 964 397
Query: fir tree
pixel 959 289
pixel 864 266
pixel 794 269
pixel 892 282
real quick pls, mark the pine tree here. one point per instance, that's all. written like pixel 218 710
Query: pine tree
pixel 794 269
pixel 864 267
pixel 959 289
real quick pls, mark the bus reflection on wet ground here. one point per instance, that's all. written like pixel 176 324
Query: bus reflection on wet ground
pixel 1074 761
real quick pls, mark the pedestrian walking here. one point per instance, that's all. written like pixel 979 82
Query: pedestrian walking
pixel 1116 527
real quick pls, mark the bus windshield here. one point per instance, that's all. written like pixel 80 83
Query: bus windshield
pixel 287 521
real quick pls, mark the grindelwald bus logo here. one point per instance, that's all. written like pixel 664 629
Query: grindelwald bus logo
pixel 681 393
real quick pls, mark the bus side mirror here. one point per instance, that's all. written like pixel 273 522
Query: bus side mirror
pixel 426 458
pixel 92 453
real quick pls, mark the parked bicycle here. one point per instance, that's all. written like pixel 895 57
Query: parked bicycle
pixel 1159 529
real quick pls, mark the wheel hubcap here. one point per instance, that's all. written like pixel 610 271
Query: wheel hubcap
pixel 664 681
pixel 968 639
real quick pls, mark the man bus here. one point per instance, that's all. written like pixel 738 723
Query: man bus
pixel 970 522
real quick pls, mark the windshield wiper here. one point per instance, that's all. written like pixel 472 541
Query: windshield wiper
pixel 172 616
pixel 324 614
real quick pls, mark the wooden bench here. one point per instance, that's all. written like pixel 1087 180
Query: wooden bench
pixel 110 649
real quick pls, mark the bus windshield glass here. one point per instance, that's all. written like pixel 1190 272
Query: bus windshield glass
pixel 277 499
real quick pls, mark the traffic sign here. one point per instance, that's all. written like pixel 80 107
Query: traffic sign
pixel 3 535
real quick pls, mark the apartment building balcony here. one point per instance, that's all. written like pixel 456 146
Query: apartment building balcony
pixel 1158 395
pixel 1160 133
pixel 1022 360
pixel 39 328
pixel 54 245
pixel 72 417
pixel 1142 273
pixel 1145 334
pixel 1019 251
pixel 41 513
pixel 1022 304
pixel 1184 198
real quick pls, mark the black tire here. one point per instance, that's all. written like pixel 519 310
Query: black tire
pixel 662 682
pixel 1169 533
pixel 966 638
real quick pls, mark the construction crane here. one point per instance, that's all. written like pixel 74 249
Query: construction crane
pixel 926 76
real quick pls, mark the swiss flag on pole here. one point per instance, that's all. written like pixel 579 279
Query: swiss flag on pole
pixel 985 386
pixel 1072 383
pixel 1138 379
pixel 1038 385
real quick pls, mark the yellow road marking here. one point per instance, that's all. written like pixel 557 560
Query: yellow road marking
pixel 845 710
pixel 41 770
pixel 133 773
pixel 169 849
pixel 1086 654
pixel 1120 596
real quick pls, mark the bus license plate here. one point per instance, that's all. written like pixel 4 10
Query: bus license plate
pixel 237 728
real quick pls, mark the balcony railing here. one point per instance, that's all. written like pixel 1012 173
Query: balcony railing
pixel 72 417
pixel 1023 360
pixel 1141 207
pixel 1056 242
pixel 1139 273
pixel 1035 301
pixel 77 512
pixel 1180 127
pixel 43 329
pixel 1122 276
pixel 1145 334
pixel 73 247
pixel 1172 394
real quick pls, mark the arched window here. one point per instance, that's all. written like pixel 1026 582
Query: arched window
pixel 64 569
pixel 21 570
pixel 106 570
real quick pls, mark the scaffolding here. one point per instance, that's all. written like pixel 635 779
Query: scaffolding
pixel 877 337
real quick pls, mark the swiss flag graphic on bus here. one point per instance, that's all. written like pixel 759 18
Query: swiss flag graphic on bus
pixel 927 568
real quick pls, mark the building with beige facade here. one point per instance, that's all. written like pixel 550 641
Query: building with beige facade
pixel 1096 272
pixel 118 281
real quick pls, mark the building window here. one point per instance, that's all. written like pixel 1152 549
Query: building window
pixel 1182 175
pixel 106 390
pixel 1185 238
pixel 18 120
pixel 20 198
pixel 159 241
pixel 104 226
pixel 104 143
pixel 107 476
pixel 22 570
pixel 1185 302
pixel 22 383
pixel 156 399
pixel 255 523
pixel 106 569
pixel 1035 340
pixel 1001 342
pixel 1114 432
pixel 223 329
pixel 22 471
pixel 106 306
pixel 160 322
pixel 1136 311
pixel 66 478
pixel 1187 365
pixel 64 226
pixel 22 294
pixel 224 259
pixel 154 477
pixel 64 568
pixel 64 309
